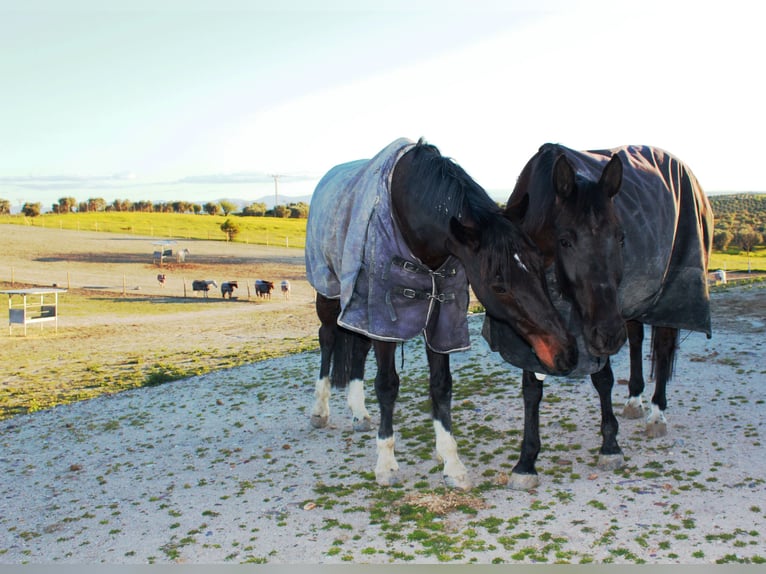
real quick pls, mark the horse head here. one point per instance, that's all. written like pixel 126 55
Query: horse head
pixel 506 272
pixel 588 251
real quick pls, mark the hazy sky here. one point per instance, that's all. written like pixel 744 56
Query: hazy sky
pixel 200 100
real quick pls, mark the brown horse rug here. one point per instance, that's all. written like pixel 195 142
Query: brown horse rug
pixel 356 253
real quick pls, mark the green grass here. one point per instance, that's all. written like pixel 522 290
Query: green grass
pixel 274 231
pixel 735 260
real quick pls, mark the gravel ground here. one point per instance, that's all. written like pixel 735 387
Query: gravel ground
pixel 225 468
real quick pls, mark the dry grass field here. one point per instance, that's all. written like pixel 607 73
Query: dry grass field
pixel 119 328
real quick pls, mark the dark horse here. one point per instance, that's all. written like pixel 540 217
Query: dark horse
pixel 629 232
pixel 391 245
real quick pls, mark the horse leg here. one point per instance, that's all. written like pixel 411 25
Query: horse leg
pixel 610 456
pixel 387 390
pixel 664 345
pixel 359 415
pixel 327 311
pixel 440 388
pixel 634 407
pixel 524 476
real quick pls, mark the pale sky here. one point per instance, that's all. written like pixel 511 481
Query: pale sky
pixel 202 100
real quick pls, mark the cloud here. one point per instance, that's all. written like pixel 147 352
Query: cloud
pixel 48 182
pixel 244 177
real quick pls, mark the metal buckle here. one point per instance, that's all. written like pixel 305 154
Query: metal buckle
pixel 409 293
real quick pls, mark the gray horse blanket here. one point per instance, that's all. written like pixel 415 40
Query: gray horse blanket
pixel 668 227
pixel 356 253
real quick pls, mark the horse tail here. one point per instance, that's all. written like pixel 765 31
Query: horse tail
pixel 664 345
pixel 342 358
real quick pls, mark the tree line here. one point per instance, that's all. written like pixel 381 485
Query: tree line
pixel 740 219
pixel 298 210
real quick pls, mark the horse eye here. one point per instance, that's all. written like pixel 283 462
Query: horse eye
pixel 565 243
pixel 499 289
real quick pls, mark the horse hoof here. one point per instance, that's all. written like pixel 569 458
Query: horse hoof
pixel 461 482
pixel 610 461
pixel 523 481
pixel 362 425
pixel 387 478
pixel 656 429
pixel 319 421
pixel 631 411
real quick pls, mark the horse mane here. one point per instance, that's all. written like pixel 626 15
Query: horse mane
pixel 447 185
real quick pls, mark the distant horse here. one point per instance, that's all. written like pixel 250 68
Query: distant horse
pixel 181 255
pixel 161 279
pixel 285 286
pixel 227 288
pixel 629 232
pixel 203 285
pixel 395 263
pixel 263 288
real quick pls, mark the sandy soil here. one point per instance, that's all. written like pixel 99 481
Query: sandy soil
pixel 225 468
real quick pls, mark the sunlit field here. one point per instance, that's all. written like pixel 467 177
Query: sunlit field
pixel 274 231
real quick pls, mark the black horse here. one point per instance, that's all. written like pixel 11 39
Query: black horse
pixel 628 232
pixel 391 244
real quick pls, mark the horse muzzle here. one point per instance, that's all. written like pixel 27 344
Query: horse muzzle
pixel 605 341
pixel 557 356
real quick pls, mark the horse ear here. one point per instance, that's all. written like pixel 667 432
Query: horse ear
pixel 611 177
pixel 563 177
pixel 516 212
pixel 465 235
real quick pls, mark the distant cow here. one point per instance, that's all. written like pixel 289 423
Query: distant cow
pixel 161 279
pixel 203 285
pixel 264 288
pixel 285 285
pixel 228 287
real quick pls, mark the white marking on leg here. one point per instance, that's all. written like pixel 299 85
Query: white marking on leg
pixel 540 376
pixel 455 473
pixel 634 408
pixel 656 424
pixel 361 418
pixel 656 416
pixel 386 467
pixel 320 414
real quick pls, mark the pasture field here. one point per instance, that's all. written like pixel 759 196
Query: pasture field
pixel 119 330
pixel 269 231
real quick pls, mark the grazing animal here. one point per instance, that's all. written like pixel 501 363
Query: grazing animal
pixel 181 255
pixel 628 232
pixel 285 286
pixel 203 285
pixel 263 288
pixel 161 279
pixel 227 288
pixel 410 230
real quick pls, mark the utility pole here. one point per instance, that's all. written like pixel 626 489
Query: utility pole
pixel 276 177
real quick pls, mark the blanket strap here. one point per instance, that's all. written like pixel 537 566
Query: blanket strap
pixel 409 293
pixel 412 267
